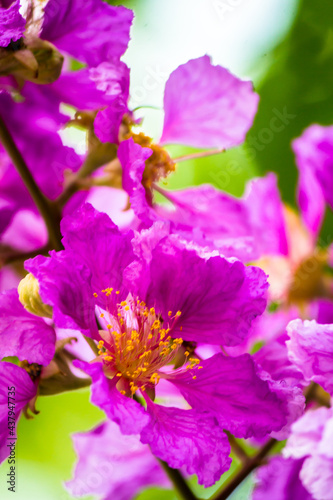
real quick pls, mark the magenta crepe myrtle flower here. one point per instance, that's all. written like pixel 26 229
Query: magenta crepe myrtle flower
pixel 155 295
pixel 113 466
pixel 314 159
pixel 15 379
pixel 211 217
pixel 310 349
pixel 12 24
pixel 311 441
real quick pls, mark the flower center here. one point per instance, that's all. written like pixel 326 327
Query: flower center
pixel 137 343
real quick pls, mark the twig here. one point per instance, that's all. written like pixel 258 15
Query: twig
pixel 246 469
pixel 178 481
pixel 237 449
pixel 46 208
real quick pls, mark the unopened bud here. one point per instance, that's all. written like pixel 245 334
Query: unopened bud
pixel 28 290
pixel 36 60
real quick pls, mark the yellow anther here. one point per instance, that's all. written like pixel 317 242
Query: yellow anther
pixel 95 294
pixel 108 358
pixel 117 292
pixel 122 392
pixel 123 303
pixel 156 324
pixel 119 374
pixel 100 344
pixel 169 313
pixel 194 377
pixel 152 310
pixel 109 326
pixel 186 353
pixel 178 313
pixel 127 308
pixel 155 378
pixel 142 303
pixel 101 315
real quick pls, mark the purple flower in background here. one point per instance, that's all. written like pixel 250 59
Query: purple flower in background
pixel 279 480
pixel 311 350
pixel 113 466
pixel 155 296
pixel 314 159
pixel 311 439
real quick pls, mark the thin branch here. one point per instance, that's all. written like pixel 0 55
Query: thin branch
pixel 237 449
pixel 246 469
pixel 178 481
pixel 201 154
pixel 45 207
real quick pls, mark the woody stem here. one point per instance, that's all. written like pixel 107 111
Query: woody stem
pixel 46 208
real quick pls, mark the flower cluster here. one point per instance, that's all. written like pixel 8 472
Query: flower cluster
pixel 197 320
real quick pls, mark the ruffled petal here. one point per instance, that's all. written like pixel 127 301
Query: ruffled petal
pixel 186 438
pixel 230 389
pixel 113 465
pixel 67 288
pixel 127 413
pixel 311 349
pixel 12 24
pixel 92 32
pixel 22 334
pixel 218 298
pixel 206 106
pixel 97 243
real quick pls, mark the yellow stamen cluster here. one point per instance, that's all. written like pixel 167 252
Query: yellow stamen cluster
pixel 136 345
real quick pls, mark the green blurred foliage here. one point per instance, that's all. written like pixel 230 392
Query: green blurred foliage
pixel 300 81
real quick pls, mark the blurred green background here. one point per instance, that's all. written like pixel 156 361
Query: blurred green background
pixel 286 48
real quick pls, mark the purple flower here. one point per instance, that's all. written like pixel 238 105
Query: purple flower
pixel 311 350
pixel 314 159
pixel 14 379
pixel 155 296
pixel 12 24
pixel 311 439
pixel 279 480
pixel 206 106
pixel 113 466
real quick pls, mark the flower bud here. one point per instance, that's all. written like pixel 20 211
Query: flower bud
pixel 28 290
pixel 35 60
